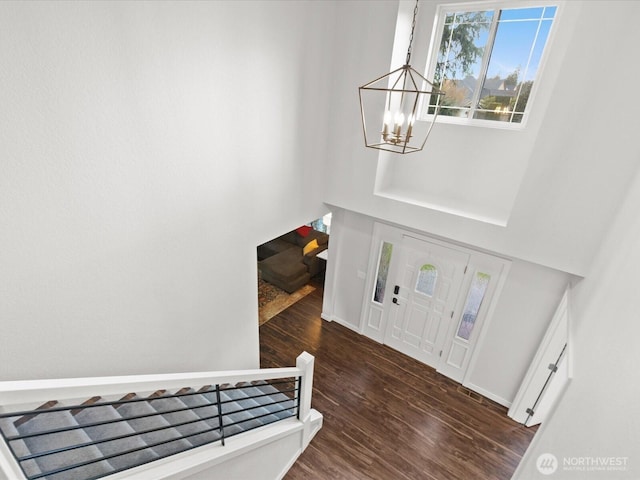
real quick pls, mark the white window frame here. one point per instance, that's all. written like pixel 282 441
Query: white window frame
pixel 434 47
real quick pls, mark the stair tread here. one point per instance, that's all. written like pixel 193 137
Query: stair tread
pixel 190 429
pixel 111 430
pixel 128 410
pixel 256 401
pixel 18 446
pixel 207 411
pixel 195 411
pixel 53 420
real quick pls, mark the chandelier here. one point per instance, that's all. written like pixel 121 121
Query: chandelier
pixel 392 104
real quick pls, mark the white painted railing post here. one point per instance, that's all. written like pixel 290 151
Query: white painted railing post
pixel 305 363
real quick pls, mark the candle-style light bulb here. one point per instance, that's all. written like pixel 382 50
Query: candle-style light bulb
pixel 410 121
pixel 399 120
pixel 386 125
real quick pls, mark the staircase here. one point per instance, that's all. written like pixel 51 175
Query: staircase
pixel 174 431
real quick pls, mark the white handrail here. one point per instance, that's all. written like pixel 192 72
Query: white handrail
pixel 27 392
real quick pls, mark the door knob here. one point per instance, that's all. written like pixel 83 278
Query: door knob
pixel 395 300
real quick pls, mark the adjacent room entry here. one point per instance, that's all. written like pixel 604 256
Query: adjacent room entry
pixel 429 299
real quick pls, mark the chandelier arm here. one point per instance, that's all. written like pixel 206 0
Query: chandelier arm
pixel 366 85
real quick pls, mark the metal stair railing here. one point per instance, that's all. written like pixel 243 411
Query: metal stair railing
pixel 147 427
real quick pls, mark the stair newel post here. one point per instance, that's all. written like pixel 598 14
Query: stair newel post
pixel 305 388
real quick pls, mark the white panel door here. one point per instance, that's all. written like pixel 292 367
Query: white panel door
pixel 428 283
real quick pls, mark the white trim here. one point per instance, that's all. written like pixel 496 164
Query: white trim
pixel 344 323
pixel 554 339
pixel 35 392
pixel 334 258
pixel 191 462
pixel 499 222
pixel 30 393
pixel 488 317
pixel 486 393
pixel 497 266
pixel 432 55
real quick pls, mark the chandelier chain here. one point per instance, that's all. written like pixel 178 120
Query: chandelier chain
pixel 413 27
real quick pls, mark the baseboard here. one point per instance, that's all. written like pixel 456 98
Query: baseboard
pixel 326 316
pixel 488 394
pixel 287 467
pixel 346 324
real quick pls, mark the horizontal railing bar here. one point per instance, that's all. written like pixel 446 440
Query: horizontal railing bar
pixel 27 391
pixel 111 403
pixel 252 428
pixel 258 406
pixel 120 437
pixel 226 425
pixel 254 385
pixel 277 405
pixel 133 400
pixel 148 446
pixel 111 439
pixel 97 424
pixel 165 456
pixel 107 457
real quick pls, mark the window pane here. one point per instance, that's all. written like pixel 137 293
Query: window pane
pixel 477 290
pixel 426 282
pixel 383 272
pixel 514 39
pixel 520 38
pixel 534 13
pixel 462 46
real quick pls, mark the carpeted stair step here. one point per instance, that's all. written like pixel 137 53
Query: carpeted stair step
pixel 234 423
pixel 176 411
pixel 278 402
pixel 204 409
pixel 18 446
pixel 122 431
pixel 238 410
pixel 45 421
pixel 267 410
pixel 125 436
pixel 151 420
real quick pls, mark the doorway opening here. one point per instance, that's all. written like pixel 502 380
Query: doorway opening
pixel 430 299
pixel 290 265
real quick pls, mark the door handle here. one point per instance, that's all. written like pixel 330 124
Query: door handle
pixel 395 300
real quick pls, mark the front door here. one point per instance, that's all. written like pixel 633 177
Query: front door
pixel 427 287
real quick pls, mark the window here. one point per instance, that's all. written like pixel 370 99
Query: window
pixel 477 290
pixel 383 271
pixel 488 60
pixel 426 282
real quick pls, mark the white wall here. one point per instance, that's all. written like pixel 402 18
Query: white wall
pixel 525 307
pixel 599 414
pixel 527 303
pixel 351 236
pixel 147 148
pixel 572 164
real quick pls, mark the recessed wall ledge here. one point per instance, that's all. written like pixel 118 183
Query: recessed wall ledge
pixel 499 222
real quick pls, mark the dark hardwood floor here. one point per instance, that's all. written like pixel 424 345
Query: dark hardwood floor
pixel 387 416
